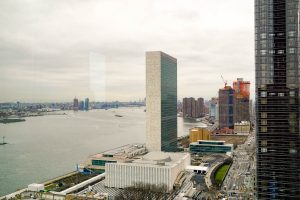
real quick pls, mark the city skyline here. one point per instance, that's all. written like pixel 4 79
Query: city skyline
pixel 39 63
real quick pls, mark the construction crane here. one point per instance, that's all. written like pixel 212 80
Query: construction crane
pixel 225 82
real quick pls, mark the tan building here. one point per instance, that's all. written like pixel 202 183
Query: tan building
pixel 199 133
pixel 242 128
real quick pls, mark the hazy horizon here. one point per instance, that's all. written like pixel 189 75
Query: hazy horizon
pixel 53 51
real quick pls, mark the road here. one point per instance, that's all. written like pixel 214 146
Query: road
pixel 239 181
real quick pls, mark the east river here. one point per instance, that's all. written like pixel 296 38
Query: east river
pixel 45 147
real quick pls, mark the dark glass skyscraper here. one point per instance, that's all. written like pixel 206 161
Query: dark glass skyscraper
pixel 277 99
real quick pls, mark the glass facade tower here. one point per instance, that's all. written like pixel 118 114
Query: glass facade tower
pixel 277 99
pixel 161 102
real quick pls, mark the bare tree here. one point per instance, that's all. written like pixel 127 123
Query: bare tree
pixel 143 191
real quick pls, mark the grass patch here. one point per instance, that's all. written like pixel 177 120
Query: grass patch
pixel 220 174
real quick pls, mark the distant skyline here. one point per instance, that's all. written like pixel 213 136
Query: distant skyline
pixel 48 48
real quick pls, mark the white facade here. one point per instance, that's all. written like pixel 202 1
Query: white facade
pixel 153 101
pixel 35 187
pixel 156 168
pixel 161 102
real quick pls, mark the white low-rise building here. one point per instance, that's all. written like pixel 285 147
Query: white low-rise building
pixel 35 187
pixel 155 168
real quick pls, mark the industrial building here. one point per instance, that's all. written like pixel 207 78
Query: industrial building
pixel 154 168
pixel 210 146
pixel 96 163
pixel 199 133
pixel 161 102
pixel 277 105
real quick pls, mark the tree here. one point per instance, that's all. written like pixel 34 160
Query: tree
pixel 143 191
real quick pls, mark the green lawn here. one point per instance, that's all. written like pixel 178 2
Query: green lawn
pixel 219 175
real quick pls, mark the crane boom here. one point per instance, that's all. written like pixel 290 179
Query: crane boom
pixel 225 82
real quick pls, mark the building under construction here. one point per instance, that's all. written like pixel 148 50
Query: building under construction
pixel 234 104
pixel 241 100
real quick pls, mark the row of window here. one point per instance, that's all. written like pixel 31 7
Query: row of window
pixel 268 59
pixel 277 52
pixel 292 128
pixel 264 150
pixel 264 115
pixel 280 94
pixel 265 43
pixel 102 162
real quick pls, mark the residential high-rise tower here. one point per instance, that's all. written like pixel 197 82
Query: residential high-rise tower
pixel 277 99
pixel 226 107
pixel 86 104
pixel 75 104
pixel 161 102
pixel 193 108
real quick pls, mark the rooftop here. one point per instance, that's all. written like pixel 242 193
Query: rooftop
pixel 126 151
pixel 159 159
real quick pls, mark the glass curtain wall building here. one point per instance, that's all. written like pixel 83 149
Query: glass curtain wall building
pixel 277 99
pixel 161 102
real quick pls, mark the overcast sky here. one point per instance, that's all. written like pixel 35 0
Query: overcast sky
pixel 50 49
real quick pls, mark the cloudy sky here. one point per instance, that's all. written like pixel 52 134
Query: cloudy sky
pixel 54 50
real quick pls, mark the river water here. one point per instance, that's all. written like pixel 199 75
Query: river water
pixel 48 146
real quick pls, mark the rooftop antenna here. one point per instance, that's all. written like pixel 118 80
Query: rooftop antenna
pixel 225 82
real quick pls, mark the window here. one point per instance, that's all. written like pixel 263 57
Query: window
pixel 292 116
pixel 280 51
pixel 263 44
pixel 263 150
pixel 292 101
pixel 264 185
pixel 272 94
pixel 263 115
pixel 264 101
pixel 264 143
pixel 281 94
pixel 292 151
pixel 291 41
pixel 263 94
pixel 292 93
pixel 264 122
pixel 263 52
pixel 263 35
pixel 291 20
pixel 263 129
pixel 291 33
pixel 291 50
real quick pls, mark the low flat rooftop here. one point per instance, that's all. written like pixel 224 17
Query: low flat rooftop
pixel 120 151
pixel 154 158
pixel 101 188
